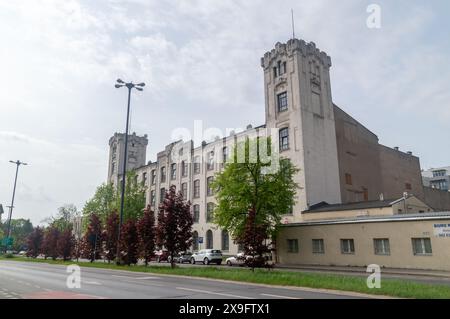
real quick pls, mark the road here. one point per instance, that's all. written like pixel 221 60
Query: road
pixel 22 280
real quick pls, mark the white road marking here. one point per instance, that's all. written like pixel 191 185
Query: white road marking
pixel 214 293
pixel 132 277
pixel 92 283
pixel 278 296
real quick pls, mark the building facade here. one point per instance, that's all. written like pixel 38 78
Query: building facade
pixel 340 160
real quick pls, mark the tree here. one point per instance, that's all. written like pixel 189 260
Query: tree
pixel 50 243
pixel 110 236
pixel 254 241
pixel 65 217
pixel 146 232
pixel 66 244
pixel 249 189
pixel 34 242
pixel 92 240
pixel 129 243
pixel 20 230
pixel 175 224
pixel 107 199
pixel 102 203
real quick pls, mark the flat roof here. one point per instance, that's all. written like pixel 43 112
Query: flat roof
pixel 325 207
pixel 376 219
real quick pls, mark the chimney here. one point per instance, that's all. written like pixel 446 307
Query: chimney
pixel 249 127
pixel 396 148
pixel 410 153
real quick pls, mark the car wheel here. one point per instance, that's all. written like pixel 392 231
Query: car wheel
pixel 193 261
pixel 206 261
pixel 219 263
pixel 229 263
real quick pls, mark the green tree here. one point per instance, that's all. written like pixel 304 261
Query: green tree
pixel 65 217
pixel 107 200
pixel 249 184
pixel 20 230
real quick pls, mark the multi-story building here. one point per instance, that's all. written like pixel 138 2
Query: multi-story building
pixel 437 178
pixel 340 160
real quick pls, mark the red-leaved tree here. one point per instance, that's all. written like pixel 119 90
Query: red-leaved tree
pixel 146 233
pixel 110 236
pixel 66 244
pixel 175 224
pixel 50 243
pixel 34 242
pixel 129 243
pixel 253 240
pixel 92 239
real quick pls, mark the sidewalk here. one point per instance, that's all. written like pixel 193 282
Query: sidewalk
pixel 362 270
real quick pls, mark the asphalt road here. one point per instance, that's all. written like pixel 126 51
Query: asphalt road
pixel 21 280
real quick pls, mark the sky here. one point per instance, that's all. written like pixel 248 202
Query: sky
pixel 201 61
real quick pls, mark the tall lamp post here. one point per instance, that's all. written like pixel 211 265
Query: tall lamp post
pixel 8 234
pixel 129 86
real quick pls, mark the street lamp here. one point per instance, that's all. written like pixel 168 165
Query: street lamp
pixel 129 86
pixel 8 234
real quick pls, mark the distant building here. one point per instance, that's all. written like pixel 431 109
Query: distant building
pixel 340 160
pixel 437 178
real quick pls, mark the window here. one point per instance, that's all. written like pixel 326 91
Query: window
pixel 153 177
pixel 408 186
pixel 163 174
pixel 210 163
pixel 196 213
pixel 144 179
pixel 365 194
pixel 153 198
pixel 173 171
pixel 209 182
pixel 284 139
pixel 197 188
pixel 282 102
pixel 347 246
pixel 113 168
pixel 439 173
pixel 162 195
pixel 184 190
pixel 279 69
pixel 195 241
pixel 209 212
pixel 209 239
pixel 318 246
pixel 225 155
pixel 421 246
pixel 381 246
pixel 348 179
pixel 292 246
pixel 197 165
pixel 439 184
pixel 225 240
pixel 184 169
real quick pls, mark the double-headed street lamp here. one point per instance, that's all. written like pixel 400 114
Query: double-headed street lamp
pixel 129 86
pixel 8 234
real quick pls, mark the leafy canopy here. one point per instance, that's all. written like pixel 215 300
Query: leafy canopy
pixel 248 182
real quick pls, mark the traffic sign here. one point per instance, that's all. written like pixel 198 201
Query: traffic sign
pixel 7 241
pixel 200 240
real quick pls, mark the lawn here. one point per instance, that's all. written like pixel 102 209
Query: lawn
pixel 389 287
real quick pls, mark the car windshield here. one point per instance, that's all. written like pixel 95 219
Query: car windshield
pixel 216 252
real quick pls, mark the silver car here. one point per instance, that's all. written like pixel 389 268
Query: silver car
pixel 207 256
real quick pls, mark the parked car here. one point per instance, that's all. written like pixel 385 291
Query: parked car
pixel 182 258
pixel 22 253
pixel 207 256
pixel 238 260
pixel 161 255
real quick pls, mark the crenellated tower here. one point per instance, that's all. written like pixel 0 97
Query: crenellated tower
pixel 299 105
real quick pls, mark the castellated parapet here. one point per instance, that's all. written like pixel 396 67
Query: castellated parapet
pixel 293 46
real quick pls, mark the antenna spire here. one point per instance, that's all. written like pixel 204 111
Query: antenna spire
pixel 293 25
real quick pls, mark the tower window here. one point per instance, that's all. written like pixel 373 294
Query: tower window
pixel 279 69
pixel 348 179
pixel 282 102
pixel 284 139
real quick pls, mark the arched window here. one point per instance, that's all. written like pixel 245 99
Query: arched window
pixel 225 240
pixel 210 212
pixel 194 241
pixel 209 239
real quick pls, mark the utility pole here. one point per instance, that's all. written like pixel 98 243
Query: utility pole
pixel 129 86
pixel 11 207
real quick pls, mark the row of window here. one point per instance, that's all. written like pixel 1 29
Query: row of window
pixel 209 240
pixel 184 190
pixel 420 246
